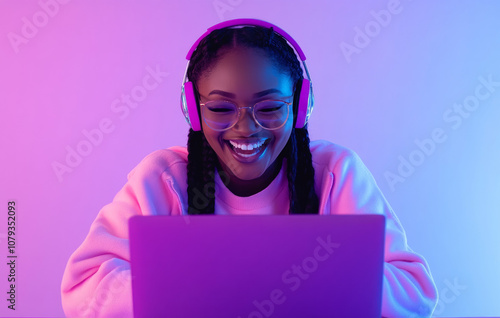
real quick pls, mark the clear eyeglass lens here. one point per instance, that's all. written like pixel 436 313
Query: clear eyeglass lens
pixel 271 114
pixel 220 115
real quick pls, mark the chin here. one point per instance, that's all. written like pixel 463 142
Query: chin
pixel 246 173
pixel 248 177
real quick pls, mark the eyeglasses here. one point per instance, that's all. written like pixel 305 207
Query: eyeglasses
pixel 222 115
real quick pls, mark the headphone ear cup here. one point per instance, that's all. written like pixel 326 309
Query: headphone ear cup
pixel 190 106
pixel 305 106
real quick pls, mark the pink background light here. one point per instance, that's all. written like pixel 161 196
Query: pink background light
pixel 408 66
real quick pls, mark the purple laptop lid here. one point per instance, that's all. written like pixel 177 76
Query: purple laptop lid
pixel 257 266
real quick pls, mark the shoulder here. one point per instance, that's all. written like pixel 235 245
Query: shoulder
pixel 335 161
pixel 159 161
pixel 333 157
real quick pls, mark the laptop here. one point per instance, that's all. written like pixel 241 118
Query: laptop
pixel 256 266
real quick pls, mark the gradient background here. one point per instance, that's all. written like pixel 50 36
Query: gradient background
pixel 397 88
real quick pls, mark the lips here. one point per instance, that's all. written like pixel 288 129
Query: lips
pixel 247 150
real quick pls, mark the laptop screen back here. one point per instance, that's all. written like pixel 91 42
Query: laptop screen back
pixel 257 266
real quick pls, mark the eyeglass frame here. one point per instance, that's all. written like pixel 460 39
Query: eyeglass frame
pixel 288 104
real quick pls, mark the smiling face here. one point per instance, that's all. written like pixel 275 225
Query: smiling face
pixel 247 152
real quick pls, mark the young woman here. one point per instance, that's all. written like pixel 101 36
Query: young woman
pixel 248 152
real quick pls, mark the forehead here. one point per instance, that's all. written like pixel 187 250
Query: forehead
pixel 244 72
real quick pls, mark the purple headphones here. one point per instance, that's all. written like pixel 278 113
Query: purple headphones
pixel 305 99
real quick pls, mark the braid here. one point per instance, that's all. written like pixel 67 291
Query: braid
pixel 201 199
pixel 208 176
pixel 303 198
pixel 309 202
pixel 292 171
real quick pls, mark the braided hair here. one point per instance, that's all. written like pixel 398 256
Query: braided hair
pixel 202 160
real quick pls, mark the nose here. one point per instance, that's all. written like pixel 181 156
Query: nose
pixel 246 124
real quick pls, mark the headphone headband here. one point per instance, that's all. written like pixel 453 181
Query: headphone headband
pixel 249 22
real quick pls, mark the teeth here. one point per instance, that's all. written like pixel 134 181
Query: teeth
pixel 247 146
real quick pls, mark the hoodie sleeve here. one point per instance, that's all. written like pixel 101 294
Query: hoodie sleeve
pixel 408 286
pixel 97 281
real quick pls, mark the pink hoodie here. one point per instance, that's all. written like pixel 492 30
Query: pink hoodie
pixel 96 282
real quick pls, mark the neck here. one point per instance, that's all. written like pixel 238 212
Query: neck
pixel 246 188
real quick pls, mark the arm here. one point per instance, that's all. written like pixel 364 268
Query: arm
pixel 408 286
pixel 97 281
